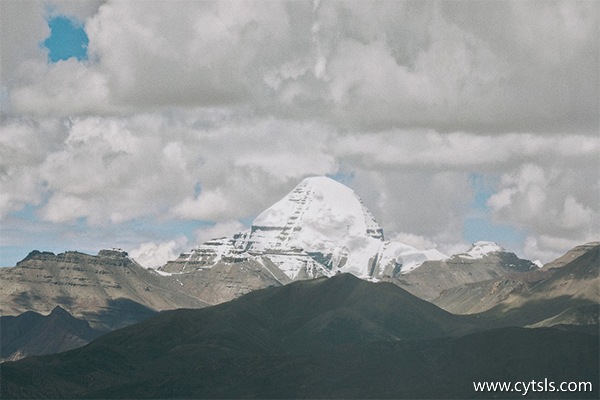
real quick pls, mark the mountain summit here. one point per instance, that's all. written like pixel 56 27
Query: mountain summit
pixel 318 229
pixel 317 214
pixel 481 249
pixel 323 219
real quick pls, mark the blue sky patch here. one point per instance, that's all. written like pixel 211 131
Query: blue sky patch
pixel 479 226
pixel 344 178
pixel 67 39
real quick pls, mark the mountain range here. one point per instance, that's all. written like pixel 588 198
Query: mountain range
pixel 311 286
pixel 566 291
pixel 320 228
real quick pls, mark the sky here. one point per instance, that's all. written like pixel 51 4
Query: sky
pixel 153 126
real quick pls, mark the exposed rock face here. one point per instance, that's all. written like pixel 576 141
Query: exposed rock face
pixel 480 296
pixel 31 334
pixel 484 261
pixel 226 281
pixel 109 290
pixel 206 255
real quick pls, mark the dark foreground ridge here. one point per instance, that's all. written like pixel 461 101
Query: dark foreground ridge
pixel 34 334
pixel 327 338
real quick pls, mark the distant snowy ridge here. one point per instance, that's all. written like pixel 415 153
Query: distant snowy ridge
pixel 481 249
pixel 320 228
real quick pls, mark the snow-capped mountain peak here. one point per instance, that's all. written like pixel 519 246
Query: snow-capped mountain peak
pixel 319 228
pixel 481 249
pixel 317 212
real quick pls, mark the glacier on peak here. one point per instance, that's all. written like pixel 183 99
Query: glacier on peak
pixel 319 228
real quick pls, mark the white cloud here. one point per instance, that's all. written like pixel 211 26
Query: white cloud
pixel 557 206
pixel 221 168
pixel 417 241
pixel 207 48
pixel 218 230
pixel 24 146
pixel 368 82
pixel 23 27
pixel 214 110
pixel 210 204
pixel 112 170
pixel 66 85
pixel 382 64
pixel 575 215
pixel 78 10
pixel 154 255
pixel 116 169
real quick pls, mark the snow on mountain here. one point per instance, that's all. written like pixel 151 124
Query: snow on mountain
pixel 318 229
pixel 318 211
pixel 399 257
pixel 481 249
pixel 321 218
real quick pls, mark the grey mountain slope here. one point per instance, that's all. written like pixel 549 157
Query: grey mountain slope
pixel 535 296
pixel 31 334
pixel 570 255
pixel 477 297
pixel 433 277
pixel 581 315
pixel 109 290
pixel 226 281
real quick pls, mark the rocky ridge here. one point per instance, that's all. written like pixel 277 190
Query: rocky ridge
pixel 110 289
pixel 31 334
pixel 482 262
pixel 568 283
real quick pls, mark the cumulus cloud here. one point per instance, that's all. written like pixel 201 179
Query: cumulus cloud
pixel 181 166
pixel 67 85
pixel 558 206
pixel 419 242
pixel 382 64
pixel 218 230
pixel 214 110
pixel 23 28
pixel 110 170
pixel 24 146
pixel 154 255
pixel 209 49
pixel 79 10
